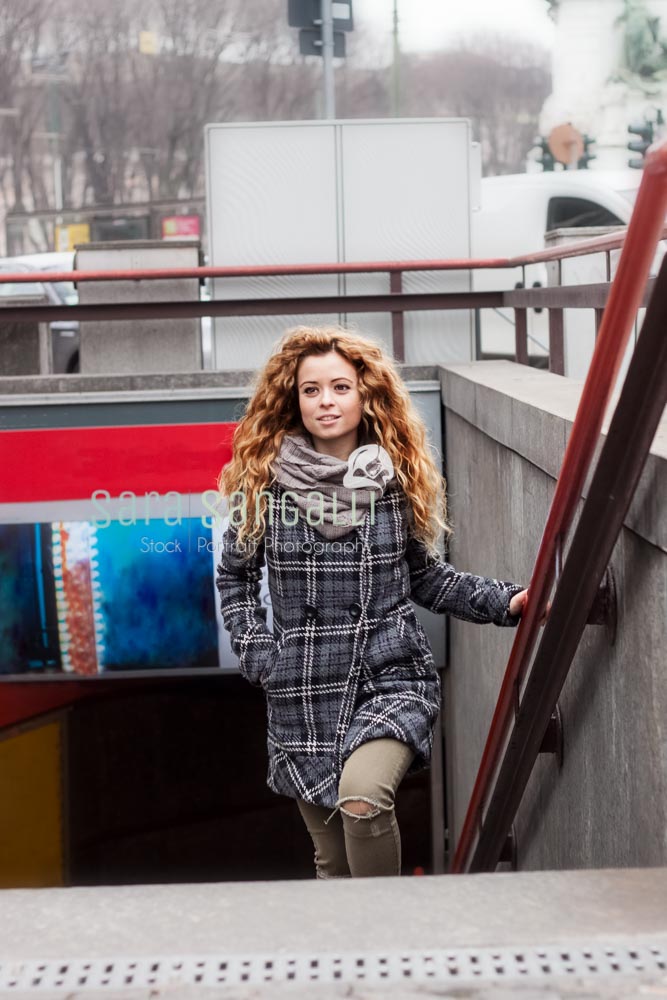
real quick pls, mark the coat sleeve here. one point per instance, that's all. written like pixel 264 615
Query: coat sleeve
pixel 238 582
pixel 436 585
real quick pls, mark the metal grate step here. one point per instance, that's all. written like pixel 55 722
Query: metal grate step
pixel 461 965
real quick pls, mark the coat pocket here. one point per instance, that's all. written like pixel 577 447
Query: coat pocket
pixel 413 629
pixel 400 649
pixel 270 668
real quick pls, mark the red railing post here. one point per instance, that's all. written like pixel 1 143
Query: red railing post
pixel 556 341
pixel 521 336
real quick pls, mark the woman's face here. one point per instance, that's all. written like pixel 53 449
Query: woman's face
pixel 330 402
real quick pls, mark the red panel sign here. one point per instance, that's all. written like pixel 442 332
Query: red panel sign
pixel 178 227
pixel 71 463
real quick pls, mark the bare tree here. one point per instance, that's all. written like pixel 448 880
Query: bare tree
pixel 129 117
pixel 22 102
pixel 177 90
pixel 273 82
pixel 137 112
pixel 500 85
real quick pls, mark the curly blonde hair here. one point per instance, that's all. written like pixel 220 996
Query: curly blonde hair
pixel 388 418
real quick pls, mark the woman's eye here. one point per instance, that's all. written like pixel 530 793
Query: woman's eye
pixel 309 390
pixel 343 386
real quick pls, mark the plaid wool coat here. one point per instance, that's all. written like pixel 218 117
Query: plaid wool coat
pixel 347 661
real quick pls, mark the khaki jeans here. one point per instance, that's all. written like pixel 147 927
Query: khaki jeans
pixel 348 844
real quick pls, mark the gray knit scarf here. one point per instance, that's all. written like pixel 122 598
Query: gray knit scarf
pixel 333 495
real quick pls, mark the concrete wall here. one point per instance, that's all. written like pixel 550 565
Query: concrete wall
pixel 506 429
pixel 139 346
pixel 24 348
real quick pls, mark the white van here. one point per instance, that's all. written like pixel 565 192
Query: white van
pixel 515 213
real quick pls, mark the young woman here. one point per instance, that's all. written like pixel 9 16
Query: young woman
pixel 333 484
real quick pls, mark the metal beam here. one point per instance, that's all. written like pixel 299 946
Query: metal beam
pixel 254 307
pixel 593 296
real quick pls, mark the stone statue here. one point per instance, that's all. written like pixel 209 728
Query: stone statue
pixel 644 52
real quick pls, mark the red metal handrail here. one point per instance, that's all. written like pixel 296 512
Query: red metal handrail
pixel 600 244
pixel 625 297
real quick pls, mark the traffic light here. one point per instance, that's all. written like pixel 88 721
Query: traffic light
pixel 547 159
pixel 307 15
pixel 583 161
pixel 645 131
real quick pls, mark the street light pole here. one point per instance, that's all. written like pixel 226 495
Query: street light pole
pixel 52 70
pixel 327 58
pixel 396 67
pixel 57 179
pixel 55 128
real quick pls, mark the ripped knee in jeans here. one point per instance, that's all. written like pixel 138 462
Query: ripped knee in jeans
pixel 359 807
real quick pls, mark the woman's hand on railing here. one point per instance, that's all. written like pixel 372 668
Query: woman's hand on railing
pixel 519 601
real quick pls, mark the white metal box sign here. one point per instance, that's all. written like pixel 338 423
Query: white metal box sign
pixel 340 191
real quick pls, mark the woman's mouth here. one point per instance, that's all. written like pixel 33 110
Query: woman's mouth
pixel 327 419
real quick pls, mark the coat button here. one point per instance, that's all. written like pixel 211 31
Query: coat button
pixel 355 611
pixel 311 611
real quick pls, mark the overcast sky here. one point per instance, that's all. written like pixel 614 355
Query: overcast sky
pixel 433 24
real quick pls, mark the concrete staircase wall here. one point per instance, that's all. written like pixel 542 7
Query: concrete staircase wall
pixel 506 429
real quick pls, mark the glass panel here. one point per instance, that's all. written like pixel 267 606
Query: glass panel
pixel 567 213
